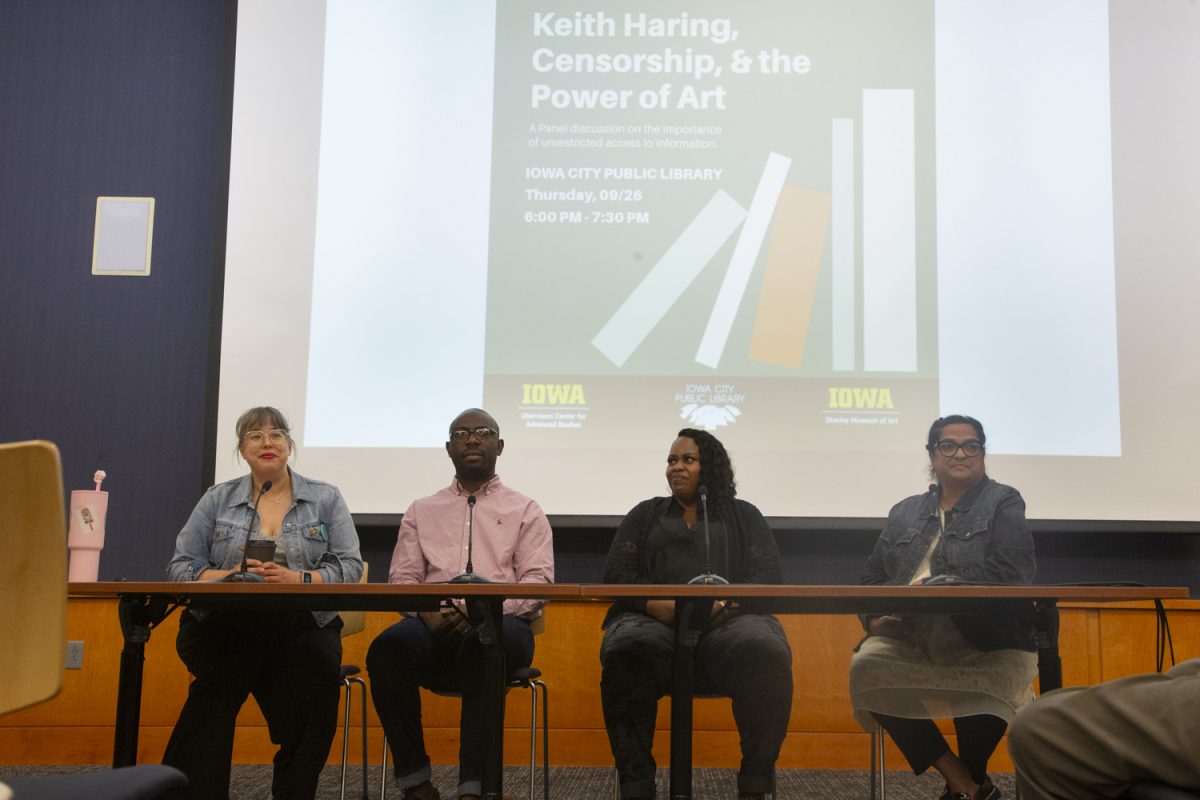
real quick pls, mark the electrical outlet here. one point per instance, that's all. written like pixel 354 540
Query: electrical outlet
pixel 74 655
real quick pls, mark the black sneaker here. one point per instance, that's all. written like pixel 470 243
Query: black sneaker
pixel 422 791
pixel 987 791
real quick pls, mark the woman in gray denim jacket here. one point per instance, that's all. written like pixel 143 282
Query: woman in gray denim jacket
pixel 976 669
pixel 289 660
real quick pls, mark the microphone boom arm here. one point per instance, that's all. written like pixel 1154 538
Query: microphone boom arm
pixel 708 577
pixel 242 576
pixel 470 576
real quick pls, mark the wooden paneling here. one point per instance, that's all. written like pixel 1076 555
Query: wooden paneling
pixel 1097 643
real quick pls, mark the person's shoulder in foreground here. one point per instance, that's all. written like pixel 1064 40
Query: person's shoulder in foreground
pixel 1097 741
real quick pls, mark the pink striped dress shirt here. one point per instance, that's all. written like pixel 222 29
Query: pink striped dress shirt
pixel 513 540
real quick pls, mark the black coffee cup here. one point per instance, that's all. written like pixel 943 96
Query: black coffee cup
pixel 260 550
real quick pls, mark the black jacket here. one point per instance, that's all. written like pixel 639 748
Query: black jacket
pixel 745 552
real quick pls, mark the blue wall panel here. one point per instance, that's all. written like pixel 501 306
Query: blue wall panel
pixel 114 98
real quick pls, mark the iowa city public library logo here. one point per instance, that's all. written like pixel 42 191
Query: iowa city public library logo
pixel 710 406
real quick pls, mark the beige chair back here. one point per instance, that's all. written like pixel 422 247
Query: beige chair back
pixel 355 621
pixel 33 591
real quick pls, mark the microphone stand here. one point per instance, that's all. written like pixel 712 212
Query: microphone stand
pixel 242 576
pixel 708 577
pixel 470 576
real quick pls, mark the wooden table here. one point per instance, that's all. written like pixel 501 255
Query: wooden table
pixel 143 605
pixel 693 603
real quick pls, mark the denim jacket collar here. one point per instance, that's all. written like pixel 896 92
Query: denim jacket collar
pixel 933 498
pixel 245 490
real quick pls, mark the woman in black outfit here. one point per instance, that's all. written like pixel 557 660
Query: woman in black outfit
pixel 740 654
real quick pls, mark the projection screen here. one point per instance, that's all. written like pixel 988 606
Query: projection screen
pixel 809 227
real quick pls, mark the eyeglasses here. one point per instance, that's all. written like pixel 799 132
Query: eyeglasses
pixel 276 436
pixel 970 448
pixel 462 434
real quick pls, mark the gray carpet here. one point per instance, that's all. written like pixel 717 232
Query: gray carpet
pixel 253 782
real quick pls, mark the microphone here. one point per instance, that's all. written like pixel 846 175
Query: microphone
pixel 708 576
pixel 242 576
pixel 469 576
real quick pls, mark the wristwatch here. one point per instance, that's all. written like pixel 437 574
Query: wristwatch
pixel 305 576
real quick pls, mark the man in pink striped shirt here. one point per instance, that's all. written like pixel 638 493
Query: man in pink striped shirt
pixel 512 544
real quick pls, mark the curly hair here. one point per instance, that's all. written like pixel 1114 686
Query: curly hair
pixel 716 470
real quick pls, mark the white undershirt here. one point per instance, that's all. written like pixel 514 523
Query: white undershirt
pixel 924 570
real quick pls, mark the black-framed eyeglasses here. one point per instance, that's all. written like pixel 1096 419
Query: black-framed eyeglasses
pixel 482 433
pixel 970 448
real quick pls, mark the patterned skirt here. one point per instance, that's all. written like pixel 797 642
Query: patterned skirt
pixel 935 674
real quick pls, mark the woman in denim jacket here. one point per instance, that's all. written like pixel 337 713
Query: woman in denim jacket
pixel 966 528
pixel 290 660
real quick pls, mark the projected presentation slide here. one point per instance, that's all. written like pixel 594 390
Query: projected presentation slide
pixel 718 216
pixel 808 226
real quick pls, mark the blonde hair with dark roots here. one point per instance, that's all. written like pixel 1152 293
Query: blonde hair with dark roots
pixel 253 419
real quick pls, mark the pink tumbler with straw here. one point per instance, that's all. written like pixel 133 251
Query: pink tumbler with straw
pixel 85 535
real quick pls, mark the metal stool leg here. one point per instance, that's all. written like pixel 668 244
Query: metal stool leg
pixel 882 765
pixel 383 771
pixel 878 767
pixel 349 684
pixel 533 686
pixel 874 775
pixel 363 686
pixel 345 734
pixel 545 739
pixel 532 737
